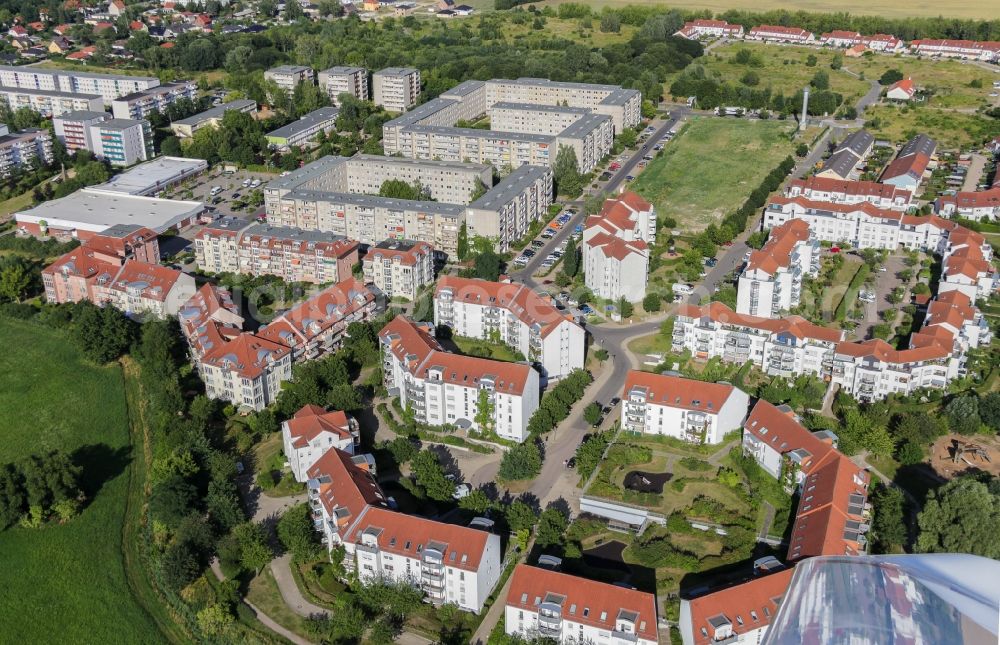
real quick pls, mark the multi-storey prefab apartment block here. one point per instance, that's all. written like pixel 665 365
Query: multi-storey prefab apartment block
pixel 344 80
pixel 340 195
pixel 139 105
pixel 396 88
pixel 450 389
pixel 289 76
pixel 514 315
pixel 108 86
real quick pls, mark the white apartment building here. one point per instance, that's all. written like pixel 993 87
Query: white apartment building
pixel 697 29
pixel 305 130
pixel 841 191
pixel 344 80
pixel 737 615
pixel 616 247
pixel 400 268
pixel 122 142
pixel 107 86
pixel 884 43
pixel 546 604
pixel 873 369
pixel 231 245
pixel 786 347
pixel 139 105
pixel 444 388
pixel 20 149
pixel 50 103
pixel 73 128
pixel 247 371
pixel 514 315
pixel 771 281
pixel 289 76
pixel 978 206
pixel 396 88
pixel 686 409
pixel 210 118
pixel 966 49
pixel 313 431
pixel 780 34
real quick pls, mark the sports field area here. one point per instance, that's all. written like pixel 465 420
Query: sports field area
pixel 66 583
pixel 711 167
pixel 965 9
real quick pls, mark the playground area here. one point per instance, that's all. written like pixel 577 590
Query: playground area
pixel 955 454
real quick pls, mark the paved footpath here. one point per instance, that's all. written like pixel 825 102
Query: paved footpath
pixel 281 568
pixel 265 620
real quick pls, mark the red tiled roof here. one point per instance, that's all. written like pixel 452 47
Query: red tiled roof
pixel 80 262
pixel 615 247
pixel 886 353
pixel 840 34
pixel 777 252
pixel 592 603
pixel 820 526
pixel 978 199
pixel 312 421
pixel 319 313
pixel 246 354
pixel 408 341
pixel 120 246
pixel 905 85
pixel 782 431
pixel 987 45
pixel 848 187
pixel 794 325
pixel 345 485
pixel 153 280
pixel 525 304
pixel 913 165
pixel 404 534
pixel 406 257
pixel 868 208
pixel 778 29
pixel 678 392
pixel 762 596
pixel 618 214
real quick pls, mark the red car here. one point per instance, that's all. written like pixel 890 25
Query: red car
pixel 615 166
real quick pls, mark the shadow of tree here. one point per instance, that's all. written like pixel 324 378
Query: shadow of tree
pixel 100 463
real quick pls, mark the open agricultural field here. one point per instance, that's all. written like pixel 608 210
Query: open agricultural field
pixel 951 129
pixel 781 68
pixel 967 9
pixel 67 582
pixel 710 169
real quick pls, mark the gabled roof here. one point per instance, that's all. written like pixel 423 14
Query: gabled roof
pixel 829 514
pixel 617 248
pixel 911 165
pixel 761 596
pixel 346 490
pixel 793 325
pixel 584 601
pixel 526 305
pixel 905 85
pixel 882 351
pixel 153 281
pixel 776 254
pixel 311 421
pixel 780 429
pixel 405 252
pixel 979 199
pixel 247 355
pixel 678 392
pixel 310 318
pixel 847 187
pixel 410 536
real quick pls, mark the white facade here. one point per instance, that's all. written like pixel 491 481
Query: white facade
pixel 396 88
pixel 614 268
pixel 839 191
pixel 122 142
pixel 682 408
pixel 771 281
pixel 400 269
pixel 978 206
pixel 289 76
pixel 312 432
pixel 21 149
pixel 515 316
pixel 107 86
pixel 344 80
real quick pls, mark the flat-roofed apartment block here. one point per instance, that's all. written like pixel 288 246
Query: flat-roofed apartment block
pixel 73 128
pixel 529 122
pixel 514 315
pixel 449 563
pixel 107 86
pixel 396 88
pixel 20 149
pixel 682 408
pixel 138 105
pixel 452 389
pixel 549 605
pixel 339 194
pixel 771 280
pixel 289 76
pixel 400 268
pixel 50 103
pixel 211 118
pixel 344 80
pixel 122 142
pixel 303 131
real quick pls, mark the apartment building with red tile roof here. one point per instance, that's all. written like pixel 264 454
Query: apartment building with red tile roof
pixel 844 191
pixel 831 517
pixel 615 268
pixel 742 612
pixel 876 42
pixel 246 370
pixel 780 34
pixel 542 603
pixel 967 49
pixel 518 316
pixel 142 288
pixel 399 268
pixel 771 280
pixel 976 205
pixel 74 276
pixel 317 325
pixel 448 389
pixel 682 408
pixel 627 216
pixel 311 432
pixel 702 28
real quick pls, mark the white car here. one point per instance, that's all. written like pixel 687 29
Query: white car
pixel 247 182
pixel 254 183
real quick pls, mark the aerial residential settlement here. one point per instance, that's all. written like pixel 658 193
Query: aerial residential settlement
pixel 423 334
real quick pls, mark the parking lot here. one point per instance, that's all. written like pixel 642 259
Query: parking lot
pixel 885 279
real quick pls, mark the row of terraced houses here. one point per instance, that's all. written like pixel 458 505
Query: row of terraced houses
pixel 702 29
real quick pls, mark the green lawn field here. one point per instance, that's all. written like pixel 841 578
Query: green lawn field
pixel 965 9
pixel 711 167
pixel 67 583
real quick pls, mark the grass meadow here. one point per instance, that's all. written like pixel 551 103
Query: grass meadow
pixel 67 582
pixel 711 167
